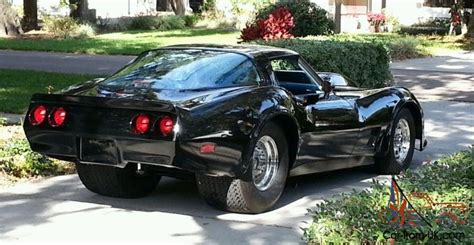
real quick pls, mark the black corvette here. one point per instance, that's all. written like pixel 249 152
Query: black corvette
pixel 241 119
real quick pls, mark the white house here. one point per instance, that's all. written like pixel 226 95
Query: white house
pixel 354 12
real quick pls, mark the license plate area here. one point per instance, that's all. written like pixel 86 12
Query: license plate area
pixel 99 151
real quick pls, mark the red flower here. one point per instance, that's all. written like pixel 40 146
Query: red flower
pixel 376 18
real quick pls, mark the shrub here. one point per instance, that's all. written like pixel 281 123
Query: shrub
pixel 365 63
pixel 423 30
pixel 143 23
pixel 118 25
pixel 172 22
pixel 209 6
pixel 309 18
pixel 17 159
pixel 236 12
pixel 399 47
pixel 243 11
pixel 67 27
pixel 407 48
pixel 393 21
pixel 355 217
pixel 84 31
pixel 216 23
pixel 277 26
pixel 435 22
pixel 161 23
pixel 63 27
pixel 190 20
pixel 435 26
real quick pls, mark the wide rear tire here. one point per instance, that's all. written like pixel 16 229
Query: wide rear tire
pixel 116 182
pixel 259 194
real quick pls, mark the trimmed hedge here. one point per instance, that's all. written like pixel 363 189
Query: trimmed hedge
pixel 424 30
pixel 365 63
pixel 399 47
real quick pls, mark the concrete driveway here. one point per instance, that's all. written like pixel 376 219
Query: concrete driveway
pixel 60 209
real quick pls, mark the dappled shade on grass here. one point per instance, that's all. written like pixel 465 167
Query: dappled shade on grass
pixel 17 86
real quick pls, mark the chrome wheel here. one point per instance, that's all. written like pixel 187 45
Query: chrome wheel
pixel 265 163
pixel 401 141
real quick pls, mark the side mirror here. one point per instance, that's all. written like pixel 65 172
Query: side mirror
pixel 310 99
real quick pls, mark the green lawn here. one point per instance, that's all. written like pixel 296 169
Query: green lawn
pixel 431 44
pixel 17 86
pixel 130 43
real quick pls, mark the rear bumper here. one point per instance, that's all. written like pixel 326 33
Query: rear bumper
pixel 66 146
pixel 225 161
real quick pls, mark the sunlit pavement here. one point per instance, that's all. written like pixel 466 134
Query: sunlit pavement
pixel 61 209
pixel 447 76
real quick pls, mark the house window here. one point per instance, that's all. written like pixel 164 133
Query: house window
pixel 446 3
pixel 438 3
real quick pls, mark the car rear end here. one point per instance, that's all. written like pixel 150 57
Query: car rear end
pixel 104 131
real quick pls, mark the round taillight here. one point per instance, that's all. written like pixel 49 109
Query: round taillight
pixel 166 125
pixel 58 117
pixel 141 124
pixel 38 114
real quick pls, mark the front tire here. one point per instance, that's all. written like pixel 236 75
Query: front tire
pixel 269 168
pixel 116 182
pixel 401 145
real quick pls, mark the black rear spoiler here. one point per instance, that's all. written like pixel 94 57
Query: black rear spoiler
pixel 103 102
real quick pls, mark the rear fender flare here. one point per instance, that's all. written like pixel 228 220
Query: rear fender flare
pixel 266 116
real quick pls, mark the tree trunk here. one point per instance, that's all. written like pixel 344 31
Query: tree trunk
pixel 79 9
pixel 9 24
pixel 337 16
pixel 470 28
pixel 30 20
pixel 180 7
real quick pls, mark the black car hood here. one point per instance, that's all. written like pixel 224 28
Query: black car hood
pixel 184 98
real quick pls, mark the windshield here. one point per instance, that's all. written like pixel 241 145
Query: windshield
pixel 185 69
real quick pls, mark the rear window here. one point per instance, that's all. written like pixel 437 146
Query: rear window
pixel 185 69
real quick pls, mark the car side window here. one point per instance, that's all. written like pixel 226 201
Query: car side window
pixel 289 74
pixel 284 65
